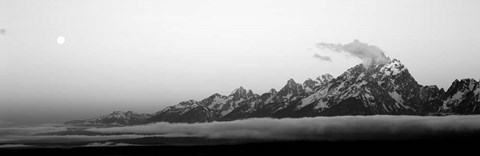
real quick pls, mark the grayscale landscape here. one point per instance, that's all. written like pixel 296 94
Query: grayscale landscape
pixel 239 77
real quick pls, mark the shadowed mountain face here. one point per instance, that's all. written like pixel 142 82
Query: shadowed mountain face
pixel 376 89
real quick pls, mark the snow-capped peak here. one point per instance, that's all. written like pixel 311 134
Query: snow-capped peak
pixel 325 78
pixel 309 81
pixel 461 90
pixel 291 82
pixel 189 102
pixel 272 91
pixel 394 67
pixel 117 114
pixel 215 95
pixel 239 91
pixel 469 83
pixel 291 90
pixel 250 93
pixel 463 84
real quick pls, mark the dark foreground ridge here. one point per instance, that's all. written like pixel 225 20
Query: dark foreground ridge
pixel 380 89
pixel 436 143
pixel 274 148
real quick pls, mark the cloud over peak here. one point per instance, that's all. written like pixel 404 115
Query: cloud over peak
pixel 369 54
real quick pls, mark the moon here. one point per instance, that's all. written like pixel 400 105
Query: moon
pixel 60 40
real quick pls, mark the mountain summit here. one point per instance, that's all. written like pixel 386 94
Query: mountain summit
pixel 382 88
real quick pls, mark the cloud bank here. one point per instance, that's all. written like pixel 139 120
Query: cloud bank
pixel 14 146
pixel 34 134
pixel 4 123
pixel 30 130
pixel 318 128
pixel 379 127
pixel 369 54
pixel 67 138
pixel 107 144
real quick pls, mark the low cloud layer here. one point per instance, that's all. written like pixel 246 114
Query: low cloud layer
pixel 322 58
pixel 107 144
pixel 3 123
pixel 14 146
pixel 35 134
pixel 318 128
pixel 30 130
pixel 369 54
pixel 67 138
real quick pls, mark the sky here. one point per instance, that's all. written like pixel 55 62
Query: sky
pixel 144 55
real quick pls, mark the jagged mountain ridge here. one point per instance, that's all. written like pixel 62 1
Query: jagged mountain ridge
pixel 115 118
pixel 462 97
pixel 378 89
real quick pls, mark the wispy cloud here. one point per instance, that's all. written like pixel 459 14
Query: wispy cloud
pixel 369 54
pixel 322 58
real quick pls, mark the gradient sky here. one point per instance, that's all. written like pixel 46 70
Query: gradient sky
pixel 144 55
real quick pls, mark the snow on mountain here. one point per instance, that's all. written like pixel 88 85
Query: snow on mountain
pixel 216 106
pixel 462 97
pixel 311 85
pixel 324 79
pixel 113 119
pixel 290 91
pixel 385 88
pixel 226 104
pixel 381 88
pixel 268 97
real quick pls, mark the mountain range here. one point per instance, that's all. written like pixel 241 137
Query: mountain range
pixel 381 88
pixel 116 118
